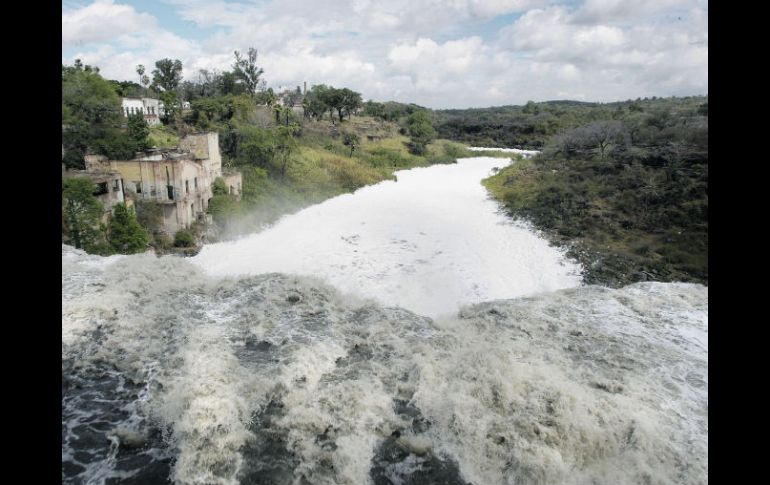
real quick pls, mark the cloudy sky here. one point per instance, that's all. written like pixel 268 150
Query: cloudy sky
pixel 437 53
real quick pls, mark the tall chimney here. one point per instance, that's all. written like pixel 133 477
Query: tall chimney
pixel 305 90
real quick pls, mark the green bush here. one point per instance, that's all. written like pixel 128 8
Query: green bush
pixel 162 241
pixel 184 239
pixel 221 207
pixel 81 213
pixel 219 187
pixel 125 235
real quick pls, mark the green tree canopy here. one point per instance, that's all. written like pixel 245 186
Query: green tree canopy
pixel 246 70
pixel 167 74
pixel 420 131
pixel 138 131
pixel 88 98
pixel 125 235
pixel 82 213
pixel 91 116
pixel 351 101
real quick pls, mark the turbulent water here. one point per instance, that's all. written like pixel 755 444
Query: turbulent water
pixel 430 242
pixel 175 371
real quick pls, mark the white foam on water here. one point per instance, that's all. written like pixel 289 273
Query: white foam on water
pixel 581 385
pixel 430 242
pixel 284 378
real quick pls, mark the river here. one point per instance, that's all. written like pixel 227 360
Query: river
pixel 431 242
pixel 405 334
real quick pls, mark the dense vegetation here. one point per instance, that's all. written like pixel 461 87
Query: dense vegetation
pixel 626 188
pixel 92 118
pixel 532 125
pixel 624 185
pixel 292 148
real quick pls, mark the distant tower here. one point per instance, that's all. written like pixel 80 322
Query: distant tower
pixel 304 91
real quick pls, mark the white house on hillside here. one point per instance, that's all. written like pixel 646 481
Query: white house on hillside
pixel 151 108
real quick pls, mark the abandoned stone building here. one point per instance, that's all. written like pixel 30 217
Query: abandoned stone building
pixel 109 188
pixel 151 108
pixel 178 179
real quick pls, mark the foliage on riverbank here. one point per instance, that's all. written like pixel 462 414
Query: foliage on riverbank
pixel 531 126
pixel 322 166
pixel 629 195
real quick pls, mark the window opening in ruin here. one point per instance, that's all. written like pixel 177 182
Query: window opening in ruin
pixel 101 188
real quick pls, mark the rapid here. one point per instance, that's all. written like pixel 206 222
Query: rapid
pixel 405 334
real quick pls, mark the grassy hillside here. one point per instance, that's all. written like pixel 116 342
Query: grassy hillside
pixel 322 167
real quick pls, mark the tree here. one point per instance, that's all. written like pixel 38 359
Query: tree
pixel 90 106
pixel 374 109
pixel 335 99
pixel 287 112
pixel 270 98
pixel 114 144
pixel 138 130
pixel 219 187
pixel 316 101
pixel 351 101
pixel 125 235
pixel 256 146
pixel 228 84
pixel 351 140
pixel 165 79
pixel 167 74
pixel 531 108
pixel 598 135
pixel 285 146
pixel 221 207
pixel 82 213
pixel 140 70
pixel 246 70
pixel 88 97
pixel 184 239
pixel 420 131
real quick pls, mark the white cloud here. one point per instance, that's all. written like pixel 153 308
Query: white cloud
pixel 492 8
pixel 422 51
pixel 614 10
pixel 101 21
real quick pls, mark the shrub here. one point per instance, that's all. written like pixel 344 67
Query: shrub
pixel 219 187
pixel 221 207
pixel 81 214
pixel 184 239
pixel 125 235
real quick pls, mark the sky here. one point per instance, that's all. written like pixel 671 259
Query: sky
pixel 436 53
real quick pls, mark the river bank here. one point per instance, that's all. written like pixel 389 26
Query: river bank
pixel 586 211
